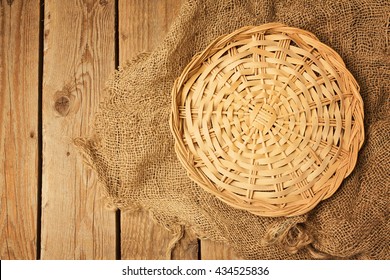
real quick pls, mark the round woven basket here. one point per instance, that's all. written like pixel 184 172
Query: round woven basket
pixel 268 119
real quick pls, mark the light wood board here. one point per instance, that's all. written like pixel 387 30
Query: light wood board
pixel 211 250
pixel 19 44
pixel 142 26
pixel 79 56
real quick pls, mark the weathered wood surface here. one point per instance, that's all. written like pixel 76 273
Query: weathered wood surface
pixel 79 56
pixel 142 25
pixel 216 251
pixel 19 60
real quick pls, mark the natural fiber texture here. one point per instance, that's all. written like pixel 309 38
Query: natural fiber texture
pixel 268 119
pixel 133 148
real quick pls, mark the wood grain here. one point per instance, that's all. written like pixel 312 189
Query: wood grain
pixel 19 44
pixel 79 56
pixel 142 25
pixel 211 250
pixel 143 239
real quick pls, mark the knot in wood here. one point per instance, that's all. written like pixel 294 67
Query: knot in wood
pixel 62 105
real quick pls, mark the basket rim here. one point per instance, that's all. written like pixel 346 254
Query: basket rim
pixel 335 59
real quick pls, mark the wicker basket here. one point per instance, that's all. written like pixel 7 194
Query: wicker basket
pixel 268 119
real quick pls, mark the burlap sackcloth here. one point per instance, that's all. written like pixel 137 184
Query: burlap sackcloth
pixel 133 150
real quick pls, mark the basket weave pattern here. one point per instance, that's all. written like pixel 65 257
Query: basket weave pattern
pixel 268 119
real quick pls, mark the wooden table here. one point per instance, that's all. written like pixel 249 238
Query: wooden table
pixel 55 57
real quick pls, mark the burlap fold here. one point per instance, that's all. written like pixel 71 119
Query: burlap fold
pixel 133 150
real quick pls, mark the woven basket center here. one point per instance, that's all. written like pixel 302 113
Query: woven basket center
pixel 264 117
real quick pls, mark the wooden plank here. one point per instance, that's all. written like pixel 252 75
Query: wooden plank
pixel 142 25
pixel 19 45
pixel 79 56
pixel 211 250
pixel 143 239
